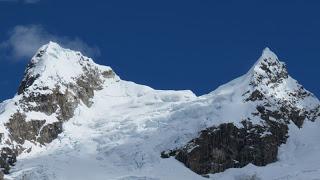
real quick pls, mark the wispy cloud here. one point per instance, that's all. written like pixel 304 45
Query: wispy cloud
pixel 23 42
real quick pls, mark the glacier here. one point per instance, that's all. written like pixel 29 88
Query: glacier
pixel 120 132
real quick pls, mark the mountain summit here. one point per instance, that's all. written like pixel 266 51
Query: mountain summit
pixel 254 114
pixel 268 69
pixel 75 119
pixel 55 83
pixel 55 66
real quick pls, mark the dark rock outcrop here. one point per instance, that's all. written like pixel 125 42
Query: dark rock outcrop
pixel 35 131
pixel 255 95
pixel 7 159
pixel 49 132
pixel 59 100
pixel 28 79
pixel 274 72
pixel 20 130
pixel 61 103
pixel 227 146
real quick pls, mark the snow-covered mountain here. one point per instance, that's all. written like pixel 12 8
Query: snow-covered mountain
pixel 75 119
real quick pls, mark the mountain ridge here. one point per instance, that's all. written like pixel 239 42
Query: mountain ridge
pixel 69 104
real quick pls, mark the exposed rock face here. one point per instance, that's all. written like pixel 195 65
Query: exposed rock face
pixel 234 146
pixel 28 78
pixel 49 132
pixel 53 93
pixel 226 146
pixel 20 130
pixel 50 93
pixel 7 159
pixel 61 103
pixel 33 131
pixel 270 71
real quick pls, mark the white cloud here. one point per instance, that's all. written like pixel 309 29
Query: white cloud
pixel 24 41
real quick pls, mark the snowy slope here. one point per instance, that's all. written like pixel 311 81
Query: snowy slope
pixel 122 133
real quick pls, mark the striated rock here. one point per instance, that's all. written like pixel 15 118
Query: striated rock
pixel 227 146
pixel 20 130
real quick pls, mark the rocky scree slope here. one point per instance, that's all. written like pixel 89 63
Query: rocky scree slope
pixel 129 127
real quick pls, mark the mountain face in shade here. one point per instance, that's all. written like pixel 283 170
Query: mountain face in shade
pixel 75 119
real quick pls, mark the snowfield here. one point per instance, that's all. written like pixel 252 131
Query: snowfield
pixel 121 136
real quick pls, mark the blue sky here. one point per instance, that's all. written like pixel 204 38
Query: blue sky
pixel 195 45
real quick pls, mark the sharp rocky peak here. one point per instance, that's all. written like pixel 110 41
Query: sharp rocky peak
pixel 268 70
pixel 56 82
pixel 271 101
pixel 269 79
pixel 54 65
